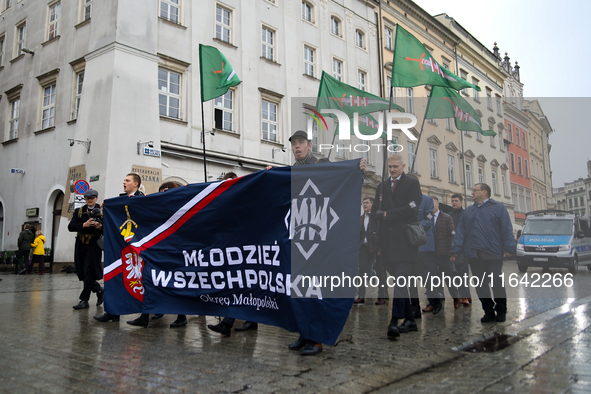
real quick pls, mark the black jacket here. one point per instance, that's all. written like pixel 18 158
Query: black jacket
pixel 401 208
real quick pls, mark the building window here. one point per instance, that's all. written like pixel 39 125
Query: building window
pixel 309 55
pixel 359 39
pixel 268 45
pixel 8 4
pixel 169 93
pixel 335 26
pixel 474 91
pixel 464 75
pixel 86 9
pixel 409 101
pixel 495 187
pixel 78 93
pixel 489 103
pixel 449 124
pixel 519 167
pixel 523 140
pixel 224 111
pixel 361 78
pixel 340 151
pixel 451 168
pixel 314 135
pixel 526 168
pixel 504 183
pixel 1 51
pixel 499 108
pixel 21 37
pixel 169 10
pixel 269 120
pixel 307 11
pixel 478 136
pixel 54 21
pixel 480 174
pixel 512 162
pixel 411 157
pixel 433 163
pixel 510 132
pixel 469 175
pixel 517 137
pixel 337 69
pixel 13 118
pixel 48 108
pixel 388 38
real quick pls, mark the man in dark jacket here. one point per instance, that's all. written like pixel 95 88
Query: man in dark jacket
pixel 485 236
pixel 462 267
pixel 366 252
pixel 443 233
pixel 25 239
pixel 399 197
pixel 87 253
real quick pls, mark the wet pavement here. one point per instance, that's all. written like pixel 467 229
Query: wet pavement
pixel 48 347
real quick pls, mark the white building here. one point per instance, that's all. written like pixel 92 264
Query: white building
pixel 114 76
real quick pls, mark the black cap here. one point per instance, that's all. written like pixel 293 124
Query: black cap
pixel 91 194
pixel 299 133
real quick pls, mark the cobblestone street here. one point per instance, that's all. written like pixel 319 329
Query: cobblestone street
pixel 49 347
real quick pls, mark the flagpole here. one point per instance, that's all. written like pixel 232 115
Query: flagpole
pixel 463 157
pixel 414 159
pixel 203 141
pixel 332 143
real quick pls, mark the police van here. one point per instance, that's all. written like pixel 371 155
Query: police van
pixel 553 238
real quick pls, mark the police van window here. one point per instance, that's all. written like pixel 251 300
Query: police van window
pixel 548 227
pixel 584 225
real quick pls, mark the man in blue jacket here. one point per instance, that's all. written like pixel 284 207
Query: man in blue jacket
pixel 485 236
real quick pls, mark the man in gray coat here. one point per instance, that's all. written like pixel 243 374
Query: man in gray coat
pixel 25 239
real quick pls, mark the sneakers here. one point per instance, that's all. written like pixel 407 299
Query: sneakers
pixel 311 349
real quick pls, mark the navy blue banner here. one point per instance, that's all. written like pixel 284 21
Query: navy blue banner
pixel 225 248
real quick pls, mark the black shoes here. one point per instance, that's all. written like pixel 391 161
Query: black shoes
pixel 180 321
pixel 407 326
pixel 157 316
pixel 81 305
pixel 222 328
pixel 100 297
pixel 299 344
pixel 141 321
pixel 248 325
pixel 437 308
pixel 311 349
pixel 501 317
pixel 490 317
pixel 393 331
pixel 106 317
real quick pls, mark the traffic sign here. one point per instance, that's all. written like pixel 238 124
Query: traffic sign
pixel 81 186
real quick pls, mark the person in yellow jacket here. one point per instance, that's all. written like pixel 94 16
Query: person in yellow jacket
pixel 38 253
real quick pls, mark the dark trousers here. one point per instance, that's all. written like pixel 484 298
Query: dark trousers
pixel 37 259
pixel 401 306
pixel 428 268
pixel 463 268
pixel 444 266
pixel 90 284
pixel 380 268
pixel 22 259
pixel 482 267
pixel 365 258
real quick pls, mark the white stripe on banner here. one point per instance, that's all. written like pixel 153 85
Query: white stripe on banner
pixel 231 75
pixel 178 214
pixel 111 267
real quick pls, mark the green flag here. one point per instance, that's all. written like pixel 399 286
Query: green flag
pixel 217 75
pixel 413 65
pixel 333 94
pixel 447 103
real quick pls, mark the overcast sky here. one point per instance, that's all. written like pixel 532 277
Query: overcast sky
pixel 551 43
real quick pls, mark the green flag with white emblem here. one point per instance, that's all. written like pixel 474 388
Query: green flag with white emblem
pixel 217 75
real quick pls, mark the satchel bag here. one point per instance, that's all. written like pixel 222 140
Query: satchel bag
pixel 415 234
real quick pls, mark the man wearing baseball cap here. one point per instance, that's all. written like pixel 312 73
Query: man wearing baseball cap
pixel 87 224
